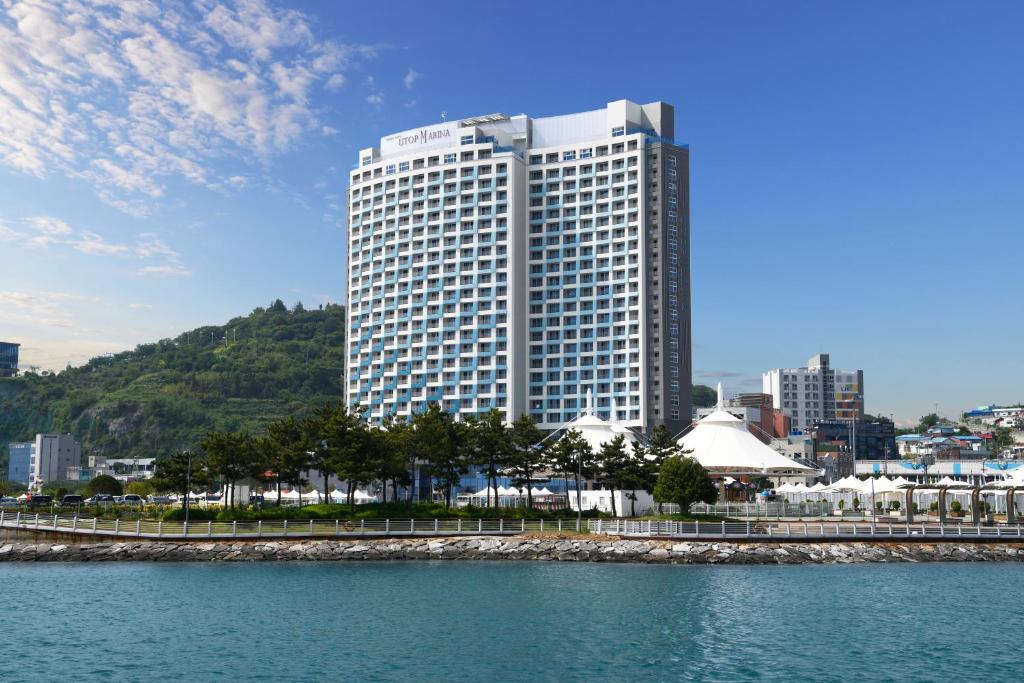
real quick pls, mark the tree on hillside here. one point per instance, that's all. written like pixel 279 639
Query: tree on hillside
pixel 105 484
pixel 684 481
pixel 528 455
pixel 927 422
pixel 181 473
pixel 703 396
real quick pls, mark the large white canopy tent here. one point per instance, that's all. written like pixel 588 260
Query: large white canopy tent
pixel 722 443
pixel 596 430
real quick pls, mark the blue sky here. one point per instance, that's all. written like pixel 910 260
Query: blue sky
pixel 856 167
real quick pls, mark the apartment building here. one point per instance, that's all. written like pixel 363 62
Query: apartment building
pixel 816 393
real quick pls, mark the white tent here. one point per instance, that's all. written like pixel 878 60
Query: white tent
pixel 597 431
pixel 722 443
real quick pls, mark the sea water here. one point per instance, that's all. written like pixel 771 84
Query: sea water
pixel 509 621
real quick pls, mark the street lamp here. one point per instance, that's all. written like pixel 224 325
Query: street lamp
pixel 579 494
pixel 188 484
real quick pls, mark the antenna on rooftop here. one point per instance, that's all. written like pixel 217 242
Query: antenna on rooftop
pixel 444 116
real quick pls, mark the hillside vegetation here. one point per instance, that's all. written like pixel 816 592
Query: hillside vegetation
pixel 160 397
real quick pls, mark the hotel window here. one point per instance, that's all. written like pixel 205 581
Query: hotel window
pixel 450 158
pixel 569 156
pixel 617 131
pixel 389 169
pixel 585 153
pixel 403 166
pixel 671 161
pixel 466 140
pixel 367 161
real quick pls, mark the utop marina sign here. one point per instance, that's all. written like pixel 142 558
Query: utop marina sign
pixel 420 138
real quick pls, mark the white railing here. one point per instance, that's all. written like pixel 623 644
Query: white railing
pixel 801 530
pixel 762 510
pixel 287 528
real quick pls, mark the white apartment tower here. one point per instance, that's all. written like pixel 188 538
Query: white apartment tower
pixel 816 393
pixel 515 263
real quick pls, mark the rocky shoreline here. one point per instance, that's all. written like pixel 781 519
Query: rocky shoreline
pixel 559 549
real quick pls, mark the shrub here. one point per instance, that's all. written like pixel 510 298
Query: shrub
pixel 956 507
pixel 194 514
pixel 104 484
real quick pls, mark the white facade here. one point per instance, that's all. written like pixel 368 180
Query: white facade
pixel 816 393
pixel 516 263
pixel 52 455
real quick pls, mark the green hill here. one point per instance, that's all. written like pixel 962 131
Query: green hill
pixel 163 396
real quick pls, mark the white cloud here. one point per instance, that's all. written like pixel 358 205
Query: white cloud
pixel 238 181
pixel 328 131
pixel 46 231
pixel 139 307
pixel 335 82
pixel 172 269
pixel 410 78
pixel 376 99
pixel 43 308
pixel 49 225
pixel 128 94
pixel 91 243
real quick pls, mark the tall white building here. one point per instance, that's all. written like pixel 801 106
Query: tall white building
pixel 52 455
pixel 816 393
pixel 516 262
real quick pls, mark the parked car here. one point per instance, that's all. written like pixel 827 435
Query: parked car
pixel 7 502
pixel 160 500
pixel 132 499
pixel 72 500
pixel 100 499
pixel 40 501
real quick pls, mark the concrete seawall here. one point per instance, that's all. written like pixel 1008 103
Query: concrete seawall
pixel 514 548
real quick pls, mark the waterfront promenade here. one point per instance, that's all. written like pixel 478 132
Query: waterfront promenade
pixel 18 526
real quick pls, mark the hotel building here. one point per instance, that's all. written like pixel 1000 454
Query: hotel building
pixel 517 263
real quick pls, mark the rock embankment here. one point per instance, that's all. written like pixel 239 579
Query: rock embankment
pixel 515 548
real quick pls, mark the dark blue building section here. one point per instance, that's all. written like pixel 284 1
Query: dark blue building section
pixel 8 359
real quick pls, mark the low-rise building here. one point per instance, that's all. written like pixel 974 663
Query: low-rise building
pixel 19 457
pixel 995 416
pixel 52 456
pixel 870 440
pixel 942 447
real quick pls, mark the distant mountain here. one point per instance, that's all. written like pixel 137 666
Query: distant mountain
pixel 163 396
